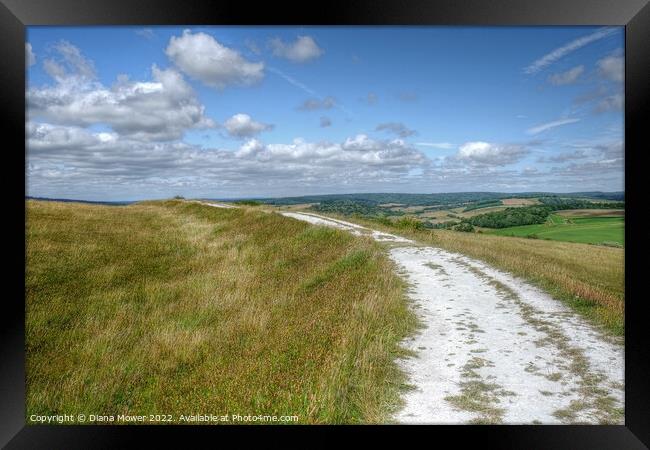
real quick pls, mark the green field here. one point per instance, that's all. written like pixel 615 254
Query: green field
pixel 586 230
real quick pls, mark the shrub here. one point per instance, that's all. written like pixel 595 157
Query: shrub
pixel 248 202
pixel 409 223
pixel 464 226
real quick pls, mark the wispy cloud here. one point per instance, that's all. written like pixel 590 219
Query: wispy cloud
pixel 397 128
pixel 568 77
pixel 572 46
pixel 303 87
pixel 547 126
pixel 612 68
pixel 146 33
pixel 292 81
pixel 314 104
pixel 438 145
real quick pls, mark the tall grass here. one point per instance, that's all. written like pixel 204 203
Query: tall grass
pixel 179 308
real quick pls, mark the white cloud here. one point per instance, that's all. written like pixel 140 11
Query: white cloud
pixel 568 77
pixel 74 162
pixel 549 125
pixel 438 145
pixel 200 56
pixel 242 125
pixel 611 68
pixel 61 159
pixel 570 47
pixel 249 148
pixel 30 57
pixel 160 109
pixel 303 49
pixel 487 154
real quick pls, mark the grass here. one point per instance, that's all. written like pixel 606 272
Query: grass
pixel 588 278
pixel 177 308
pixel 587 230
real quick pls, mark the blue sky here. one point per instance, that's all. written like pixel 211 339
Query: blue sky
pixel 131 112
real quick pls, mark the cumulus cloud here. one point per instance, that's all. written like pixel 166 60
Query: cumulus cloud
pixel 487 154
pixel 161 109
pixel 611 68
pixel 568 77
pixel 314 104
pixel 303 49
pixel 242 125
pixel 202 57
pixel 30 57
pixel 325 122
pixel 550 125
pixel 560 52
pixel 397 128
pixel 79 163
pixel 62 156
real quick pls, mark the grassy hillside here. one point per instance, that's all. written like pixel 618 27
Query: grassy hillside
pixel 180 308
pixel 590 279
pixel 588 230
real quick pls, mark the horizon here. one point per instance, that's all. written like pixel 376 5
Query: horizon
pixel 225 199
pixel 273 112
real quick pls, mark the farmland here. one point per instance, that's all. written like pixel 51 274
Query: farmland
pixel 604 230
pixel 574 253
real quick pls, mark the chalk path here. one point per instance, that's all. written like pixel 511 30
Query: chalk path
pixel 493 348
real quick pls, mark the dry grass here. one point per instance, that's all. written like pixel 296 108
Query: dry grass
pixel 179 308
pixel 589 278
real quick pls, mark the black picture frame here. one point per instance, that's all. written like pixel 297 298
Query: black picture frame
pixel 15 15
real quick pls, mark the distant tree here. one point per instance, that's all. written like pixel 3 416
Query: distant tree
pixel 179 197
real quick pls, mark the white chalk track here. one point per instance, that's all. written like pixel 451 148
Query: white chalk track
pixel 493 348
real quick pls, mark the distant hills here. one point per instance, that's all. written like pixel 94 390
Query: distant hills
pixel 437 199
pixel 382 198
pixel 70 200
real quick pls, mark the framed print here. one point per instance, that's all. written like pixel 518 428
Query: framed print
pixel 407 217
